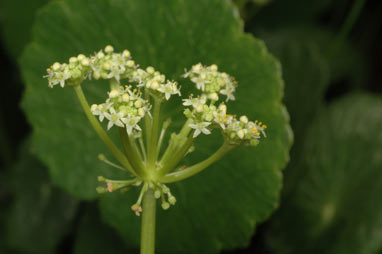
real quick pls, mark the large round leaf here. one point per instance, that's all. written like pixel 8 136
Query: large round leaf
pixel 216 209
pixel 336 207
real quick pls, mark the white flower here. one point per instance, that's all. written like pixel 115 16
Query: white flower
pixel 200 81
pixel 169 89
pixel 199 128
pixel 213 96
pixel 228 93
pixel 195 102
pixel 244 119
pixel 114 118
pixel 100 110
pixel 131 124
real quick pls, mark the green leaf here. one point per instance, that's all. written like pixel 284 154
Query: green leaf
pixel 305 72
pixel 40 214
pixel 215 209
pixel 337 207
pixel 306 75
pixel 16 23
pixel 95 237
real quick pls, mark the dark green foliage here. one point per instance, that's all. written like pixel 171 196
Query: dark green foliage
pixel 336 207
pixel 40 214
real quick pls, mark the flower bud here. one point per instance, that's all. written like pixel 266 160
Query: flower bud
pixel 138 103
pixel 113 93
pixel 126 53
pixel 199 108
pixel 125 97
pixel 213 96
pixel 81 57
pixel 130 63
pixel 165 205
pixel 56 66
pixel 101 157
pixel 141 112
pixel 85 62
pixel 244 119
pixel 154 85
pixel 240 133
pixel 109 49
pixel 223 107
pixel 100 55
pixel 72 59
pixel 96 75
pixel 172 200
pixel 100 190
pixel 150 69
pixel 157 194
pixel 106 66
pixel 94 107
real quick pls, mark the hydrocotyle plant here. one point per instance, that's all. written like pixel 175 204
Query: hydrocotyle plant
pixel 133 106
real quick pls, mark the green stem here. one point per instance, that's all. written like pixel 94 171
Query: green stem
pixel 152 147
pixel 147 122
pixel 143 150
pixel 131 152
pixel 190 171
pixel 177 156
pixel 173 145
pixel 148 223
pixel 101 133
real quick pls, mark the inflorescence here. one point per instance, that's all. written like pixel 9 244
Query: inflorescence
pixel 130 99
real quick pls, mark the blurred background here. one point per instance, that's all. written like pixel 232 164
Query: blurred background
pixel 330 52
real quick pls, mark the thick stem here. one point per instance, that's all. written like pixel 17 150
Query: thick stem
pixel 190 171
pixel 101 133
pixel 148 223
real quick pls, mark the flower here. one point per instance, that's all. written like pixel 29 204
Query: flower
pixel 199 128
pixel 131 124
pixel 211 82
pixel 169 89
pixel 114 118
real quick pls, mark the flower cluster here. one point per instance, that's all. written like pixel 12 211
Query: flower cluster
pixel 123 108
pixel 126 105
pixel 106 64
pixel 109 65
pixel 155 82
pixel 204 115
pixel 72 73
pixel 211 82
pixel 161 191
